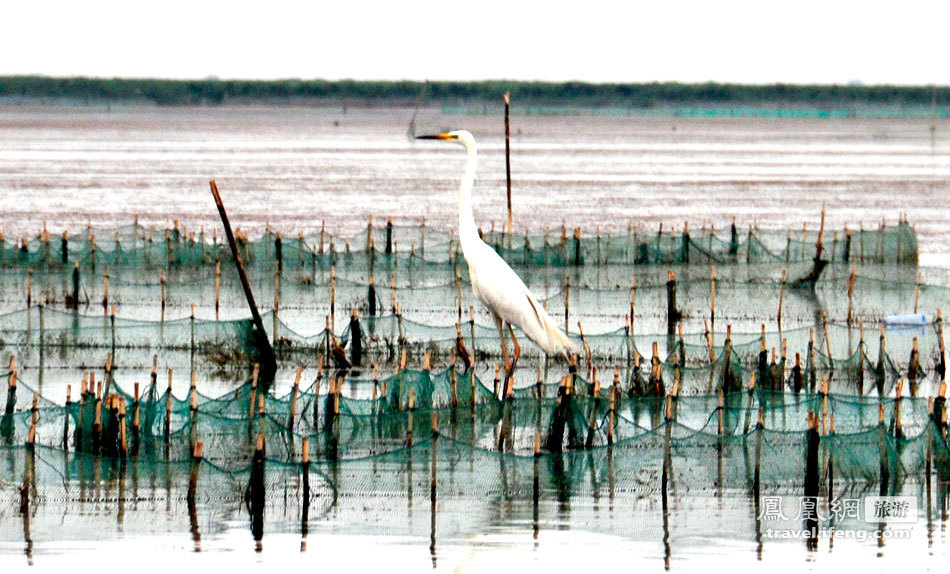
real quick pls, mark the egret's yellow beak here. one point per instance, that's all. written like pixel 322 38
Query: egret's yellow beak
pixel 447 136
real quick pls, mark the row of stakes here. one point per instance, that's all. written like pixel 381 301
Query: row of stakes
pixel 674 315
pixel 116 408
pixel 175 235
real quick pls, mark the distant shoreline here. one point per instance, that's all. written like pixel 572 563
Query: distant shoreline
pixel 664 99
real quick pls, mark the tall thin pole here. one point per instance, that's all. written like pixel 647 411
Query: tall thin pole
pixel 511 228
pixel 267 360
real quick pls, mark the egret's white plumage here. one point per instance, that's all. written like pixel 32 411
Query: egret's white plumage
pixel 494 283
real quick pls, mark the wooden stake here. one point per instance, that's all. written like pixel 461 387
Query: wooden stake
pixel 722 406
pixel 123 443
pixel 633 304
pixel 920 276
pixel 458 291
pixel 455 399
pixel 851 278
pixel 135 412
pixel 781 300
pixel 508 163
pixel 168 406
pixel 194 394
pixel 539 384
pixel 333 298
pixel 293 398
pixel 254 376
pixel 567 302
pixel 105 290
pixel 269 361
pixel 824 318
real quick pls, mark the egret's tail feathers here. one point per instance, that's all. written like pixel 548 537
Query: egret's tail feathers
pixel 558 341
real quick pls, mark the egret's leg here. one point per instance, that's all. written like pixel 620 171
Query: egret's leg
pixel 514 340
pixel 510 369
pixel 504 342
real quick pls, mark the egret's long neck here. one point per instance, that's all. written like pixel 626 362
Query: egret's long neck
pixel 468 231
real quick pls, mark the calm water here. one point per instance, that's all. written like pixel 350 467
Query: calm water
pixel 298 167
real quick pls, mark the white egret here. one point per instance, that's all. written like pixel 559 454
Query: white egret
pixel 494 283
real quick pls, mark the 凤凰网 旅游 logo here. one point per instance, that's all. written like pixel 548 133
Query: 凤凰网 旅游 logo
pixel 869 509
pixel 890 509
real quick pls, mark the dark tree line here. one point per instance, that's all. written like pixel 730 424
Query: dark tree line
pixel 644 95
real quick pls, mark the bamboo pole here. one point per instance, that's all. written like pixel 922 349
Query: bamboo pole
pixel 719 410
pixel 254 377
pixel 454 380
pixel 293 399
pixel 136 407
pixel 898 391
pixel 123 444
pixel 587 354
pixel 35 416
pixel 920 276
pixel 316 392
pixel 851 278
pixel 507 98
pixel 633 304
pixel 69 403
pixel 168 407
pixel 567 302
pixel 105 290
pixel 497 380
pixel 824 320
pixel 193 394
pixel 268 360
pixel 781 299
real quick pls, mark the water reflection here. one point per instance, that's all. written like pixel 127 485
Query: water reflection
pixel 108 500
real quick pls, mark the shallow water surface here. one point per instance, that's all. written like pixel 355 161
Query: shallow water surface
pixel 298 167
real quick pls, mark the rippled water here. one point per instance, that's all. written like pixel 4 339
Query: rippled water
pixel 296 167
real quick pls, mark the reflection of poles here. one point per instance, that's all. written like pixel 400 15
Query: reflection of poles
pixel 812 441
pixel 781 301
pixel 7 421
pixel 293 402
pixel 535 509
pixel 664 488
pixel 719 444
pixel 885 470
pixel 941 368
pixel 254 496
pixel 305 512
pixel 433 487
pixel 25 490
pixel 756 482
pixel 192 495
